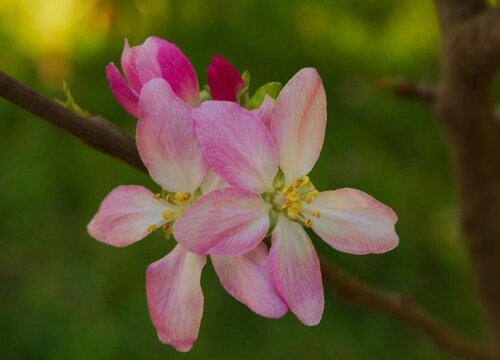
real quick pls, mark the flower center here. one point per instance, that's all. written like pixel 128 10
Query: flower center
pixel 178 203
pixel 289 200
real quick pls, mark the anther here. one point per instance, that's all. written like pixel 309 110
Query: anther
pixel 157 196
pixel 315 214
pixel 166 215
pixel 169 198
pixel 308 223
pixel 167 228
pixel 152 228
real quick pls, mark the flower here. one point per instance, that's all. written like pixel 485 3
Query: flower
pixel 268 174
pixel 169 149
pixel 158 58
pixel 224 80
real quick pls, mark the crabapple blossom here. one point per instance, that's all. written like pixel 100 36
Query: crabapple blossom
pixel 170 151
pixel 267 167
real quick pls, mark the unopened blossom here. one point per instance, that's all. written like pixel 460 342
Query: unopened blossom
pixel 170 151
pixel 224 80
pixel 158 58
pixel 267 168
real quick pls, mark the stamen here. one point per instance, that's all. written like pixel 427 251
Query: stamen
pixel 152 228
pixel 166 215
pixel 167 229
pixel 316 214
pixel 308 223
pixel 169 198
pixel 157 196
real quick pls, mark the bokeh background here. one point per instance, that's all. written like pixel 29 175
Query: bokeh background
pixel 64 295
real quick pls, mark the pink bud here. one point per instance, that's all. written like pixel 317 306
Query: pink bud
pixel 224 80
pixel 155 58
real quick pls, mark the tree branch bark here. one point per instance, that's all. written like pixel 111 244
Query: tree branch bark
pixel 104 136
pixel 465 107
pixel 94 130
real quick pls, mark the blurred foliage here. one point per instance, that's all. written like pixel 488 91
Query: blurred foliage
pixel 66 296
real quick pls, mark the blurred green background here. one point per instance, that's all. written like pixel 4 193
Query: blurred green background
pixel 64 295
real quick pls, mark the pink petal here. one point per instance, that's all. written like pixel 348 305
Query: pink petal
pixel 125 96
pixel 295 271
pixel 128 67
pixel 354 222
pixel 247 279
pixel 224 80
pixel 175 298
pixel 298 123
pixel 166 139
pixel 265 110
pixel 176 68
pixel 212 182
pixel 125 216
pixel 227 221
pixel 237 145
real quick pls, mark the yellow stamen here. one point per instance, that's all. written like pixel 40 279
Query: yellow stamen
pixel 166 215
pixel 157 196
pixel 305 181
pixel 308 223
pixel 315 214
pixel 167 228
pixel 169 198
pixel 152 228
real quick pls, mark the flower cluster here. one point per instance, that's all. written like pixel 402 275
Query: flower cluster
pixel 233 172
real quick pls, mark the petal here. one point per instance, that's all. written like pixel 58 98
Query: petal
pixel 224 80
pixel 126 214
pixel 128 67
pixel 174 67
pixel 166 139
pixel 125 96
pixel 265 110
pixel 224 222
pixel 237 145
pixel 295 271
pixel 246 277
pixel 354 222
pixel 175 298
pixel 298 123
pixel 212 182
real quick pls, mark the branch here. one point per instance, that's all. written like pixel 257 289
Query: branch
pixel 423 93
pixel 477 42
pixel 402 307
pixel 108 138
pixel 94 131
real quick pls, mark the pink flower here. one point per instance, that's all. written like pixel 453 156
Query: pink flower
pixel 224 80
pixel 158 58
pixel 268 171
pixel 168 147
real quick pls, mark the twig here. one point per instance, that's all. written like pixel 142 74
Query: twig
pixel 94 130
pixel 424 93
pixel 402 307
pixel 106 137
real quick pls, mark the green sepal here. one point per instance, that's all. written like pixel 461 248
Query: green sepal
pixel 271 88
pixel 273 220
pixel 279 180
pixel 70 102
pixel 205 93
pixel 243 96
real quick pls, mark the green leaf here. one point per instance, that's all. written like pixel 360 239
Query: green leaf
pixel 271 88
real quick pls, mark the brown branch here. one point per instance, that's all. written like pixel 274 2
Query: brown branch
pixel 402 307
pixel 116 143
pixel 423 93
pixel 465 107
pixel 94 131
